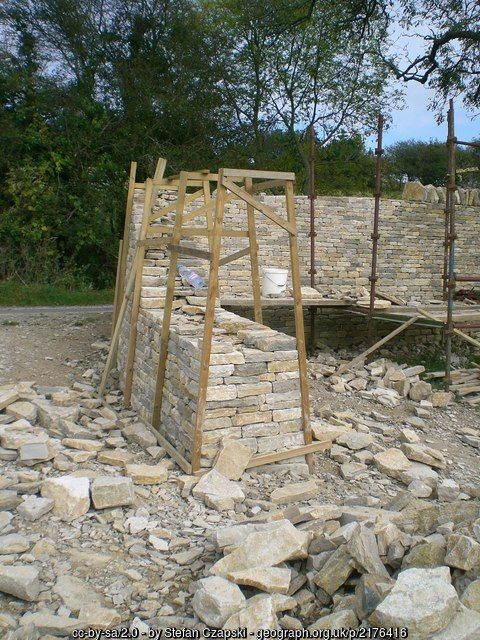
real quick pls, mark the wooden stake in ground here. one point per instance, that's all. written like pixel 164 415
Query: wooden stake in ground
pixel 118 325
pixel 299 326
pixel 123 254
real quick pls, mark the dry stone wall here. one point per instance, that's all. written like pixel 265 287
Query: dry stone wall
pixel 410 259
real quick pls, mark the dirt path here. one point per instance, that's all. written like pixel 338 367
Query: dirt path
pixel 47 345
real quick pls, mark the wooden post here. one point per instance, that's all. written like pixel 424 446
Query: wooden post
pixel 299 327
pixel 126 236
pixel 118 291
pixel 116 333
pixel 252 238
pixel 137 293
pixel 167 311
pixel 208 211
pixel 209 321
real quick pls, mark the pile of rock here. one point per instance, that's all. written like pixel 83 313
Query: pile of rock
pixel 46 434
pixel 382 380
pixel 416 191
pixel 411 565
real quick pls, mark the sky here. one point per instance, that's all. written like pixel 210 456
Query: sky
pixel 418 122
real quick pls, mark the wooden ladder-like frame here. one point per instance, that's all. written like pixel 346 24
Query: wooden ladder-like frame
pixel 231 184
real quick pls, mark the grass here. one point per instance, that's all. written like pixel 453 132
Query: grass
pixel 16 294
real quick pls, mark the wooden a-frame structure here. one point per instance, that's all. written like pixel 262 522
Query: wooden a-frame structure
pixel 230 184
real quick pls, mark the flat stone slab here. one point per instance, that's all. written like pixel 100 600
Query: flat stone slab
pixel 269 579
pixel 294 492
pixel 233 459
pixel 260 550
pixel 34 508
pixel 20 581
pixel 217 491
pixel 216 599
pixel 111 492
pixel 147 474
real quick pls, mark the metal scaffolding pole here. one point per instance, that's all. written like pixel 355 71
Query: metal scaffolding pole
pixel 450 237
pixel 312 235
pixel 375 235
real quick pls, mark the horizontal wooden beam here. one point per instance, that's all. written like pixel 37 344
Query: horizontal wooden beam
pixel 190 251
pixel 200 231
pixel 304 450
pixel 253 173
pixel 260 206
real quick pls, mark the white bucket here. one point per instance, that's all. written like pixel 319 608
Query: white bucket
pixel 274 281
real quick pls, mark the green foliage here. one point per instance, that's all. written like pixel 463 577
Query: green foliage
pixel 14 293
pixel 88 86
pixel 427 162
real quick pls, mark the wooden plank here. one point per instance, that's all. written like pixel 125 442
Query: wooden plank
pixel 160 169
pixel 191 197
pixel 253 250
pixel 112 352
pixel 132 343
pixel 118 296
pixel 284 302
pixel 155 243
pixel 209 320
pixel 457 332
pixel 198 231
pixel 207 198
pixel 167 311
pixel 374 347
pixel 253 173
pixel 304 450
pixel 235 256
pixel 173 453
pixel 299 328
pixel 390 298
pixel 126 232
pixel 196 176
pixel 190 251
pixel 267 211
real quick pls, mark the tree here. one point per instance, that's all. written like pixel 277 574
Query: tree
pixel 427 162
pixel 449 61
pixel 318 71
pixel 440 38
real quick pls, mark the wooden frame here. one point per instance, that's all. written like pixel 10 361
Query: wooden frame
pixel 231 184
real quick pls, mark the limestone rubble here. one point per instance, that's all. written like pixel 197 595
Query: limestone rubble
pixel 103 530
